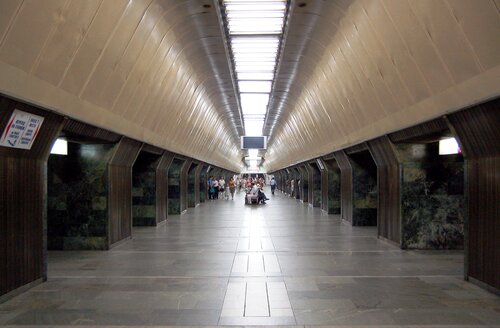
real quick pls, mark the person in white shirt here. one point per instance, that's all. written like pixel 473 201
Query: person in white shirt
pixel 222 189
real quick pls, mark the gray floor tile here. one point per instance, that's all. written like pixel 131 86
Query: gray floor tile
pixel 302 268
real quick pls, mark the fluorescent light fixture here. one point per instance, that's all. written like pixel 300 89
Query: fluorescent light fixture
pixel 254 103
pixel 449 146
pixel 261 23
pixel 252 29
pixel 257 5
pixel 255 86
pixel 254 68
pixel 255 76
pixel 253 152
pixel 254 1
pixel 60 147
pixel 255 56
pixel 255 14
pixel 255 28
pixel 255 98
pixel 254 117
pixel 263 41
pixel 253 128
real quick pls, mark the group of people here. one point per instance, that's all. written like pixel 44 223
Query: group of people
pixel 257 190
pixel 218 188
pixel 247 183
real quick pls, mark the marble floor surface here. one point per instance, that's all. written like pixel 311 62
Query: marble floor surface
pixel 283 263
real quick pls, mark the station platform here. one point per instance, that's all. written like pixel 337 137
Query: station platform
pixel 283 263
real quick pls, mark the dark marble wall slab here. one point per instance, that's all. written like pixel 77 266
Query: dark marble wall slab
pixel 304 184
pixel 432 198
pixel 364 173
pixel 184 184
pixel 77 207
pixel 334 198
pixel 174 186
pixel 191 194
pixel 144 189
pixel 315 185
pixel 203 184
pixel 297 178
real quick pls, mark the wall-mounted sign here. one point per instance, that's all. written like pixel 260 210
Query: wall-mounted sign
pixel 21 130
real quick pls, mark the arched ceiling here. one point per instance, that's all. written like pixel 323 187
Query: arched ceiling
pixel 157 70
pixel 154 70
pixel 353 70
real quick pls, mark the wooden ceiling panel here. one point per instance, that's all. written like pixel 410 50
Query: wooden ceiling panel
pixel 153 70
pixel 378 67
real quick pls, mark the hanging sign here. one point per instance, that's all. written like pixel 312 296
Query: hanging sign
pixel 21 130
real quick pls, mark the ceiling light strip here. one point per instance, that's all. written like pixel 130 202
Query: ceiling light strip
pixel 255 32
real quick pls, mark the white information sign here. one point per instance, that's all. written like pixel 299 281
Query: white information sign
pixel 21 130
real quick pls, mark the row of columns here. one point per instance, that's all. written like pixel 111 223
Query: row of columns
pixel 88 199
pixel 417 198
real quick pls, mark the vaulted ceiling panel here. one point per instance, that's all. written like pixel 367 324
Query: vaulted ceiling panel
pixel 354 70
pixel 155 70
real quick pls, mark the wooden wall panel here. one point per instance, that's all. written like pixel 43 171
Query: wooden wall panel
pixel 22 201
pixel 356 148
pixel 162 186
pixel 432 130
pixel 152 149
pixel 120 189
pixel 388 189
pixel 77 130
pixel 479 136
pixel 346 186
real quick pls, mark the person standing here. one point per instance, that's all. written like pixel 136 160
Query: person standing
pixel 232 187
pixel 222 188
pixel 273 185
pixel 210 184
pixel 215 185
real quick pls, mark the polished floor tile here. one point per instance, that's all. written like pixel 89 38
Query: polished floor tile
pixel 280 264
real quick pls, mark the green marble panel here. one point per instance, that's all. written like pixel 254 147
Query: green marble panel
pixel 334 191
pixel 203 192
pixel 191 192
pixel 364 189
pixel 77 209
pixel 144 190
pixel 174 186
pixel 433 205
